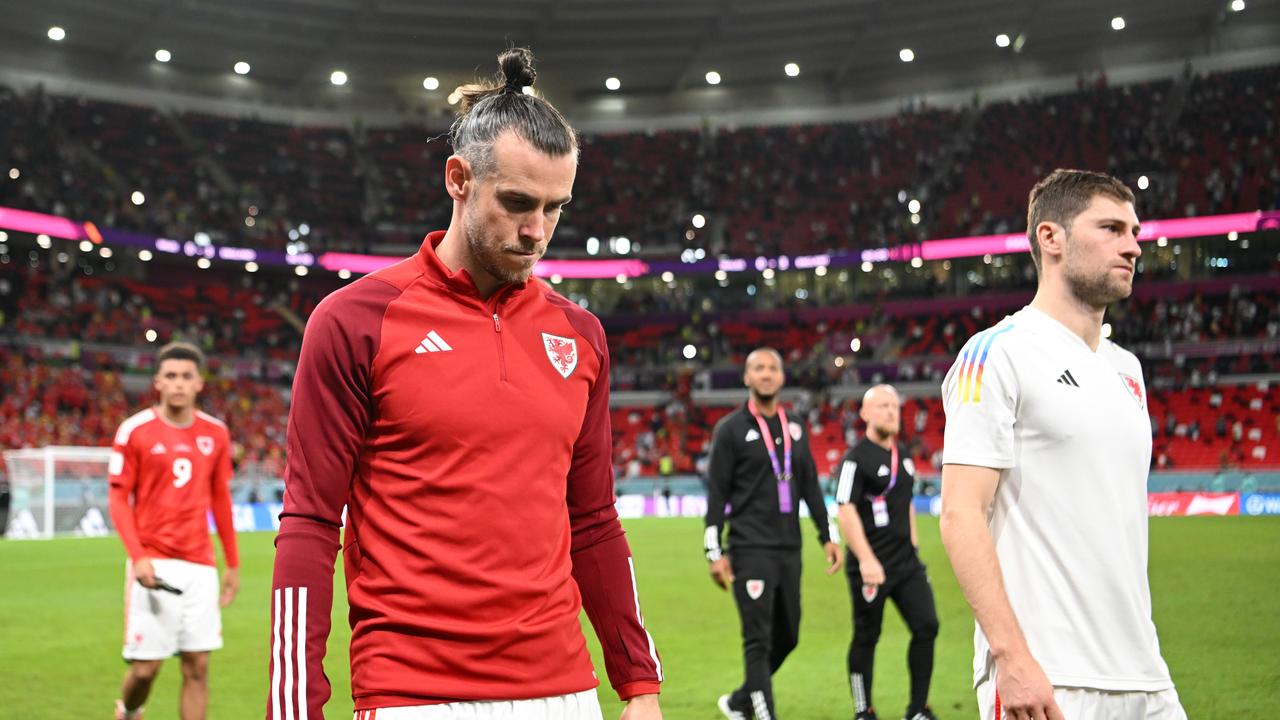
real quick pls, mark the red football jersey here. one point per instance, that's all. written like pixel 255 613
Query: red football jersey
pixel 469 441
pixel 174 476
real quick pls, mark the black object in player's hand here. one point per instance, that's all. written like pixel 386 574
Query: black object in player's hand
pixel 162 585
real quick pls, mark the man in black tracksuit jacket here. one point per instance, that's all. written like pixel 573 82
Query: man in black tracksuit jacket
pixel 763 490
pixel 879 526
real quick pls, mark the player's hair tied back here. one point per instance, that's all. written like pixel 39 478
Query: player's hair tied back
pixel 515 73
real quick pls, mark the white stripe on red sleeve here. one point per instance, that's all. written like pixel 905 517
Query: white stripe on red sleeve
pixel 653 652
pixel 289 646
pixel 302 653
pixel 275 657
pixel 288 654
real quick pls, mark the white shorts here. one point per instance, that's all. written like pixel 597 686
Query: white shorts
pixel 577 706
pixel 159 624
pixel 1089 704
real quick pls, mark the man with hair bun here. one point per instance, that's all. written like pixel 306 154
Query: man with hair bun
pixel 458 409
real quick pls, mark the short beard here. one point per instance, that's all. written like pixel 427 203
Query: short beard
pixel 1096 291
pixel 764 398
pixel 884 432
pixel 483 253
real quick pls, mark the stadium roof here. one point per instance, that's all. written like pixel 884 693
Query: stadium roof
pixel 659 50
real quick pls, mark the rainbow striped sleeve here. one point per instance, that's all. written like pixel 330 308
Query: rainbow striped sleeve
pixel 973 361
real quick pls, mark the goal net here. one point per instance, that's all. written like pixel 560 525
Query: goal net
pixel 57 490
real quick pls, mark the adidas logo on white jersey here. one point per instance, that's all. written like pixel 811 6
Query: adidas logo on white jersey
pixel 432 343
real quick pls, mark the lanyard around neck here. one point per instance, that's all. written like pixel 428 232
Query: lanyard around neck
pixel 782 471
pixel 893 473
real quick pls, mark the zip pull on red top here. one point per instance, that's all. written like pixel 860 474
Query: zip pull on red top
pixel 496 302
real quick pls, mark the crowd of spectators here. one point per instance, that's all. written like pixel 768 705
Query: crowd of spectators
pixel 1220 428
pixel 258 315
pixel 71 340
pixel 1224 155
pixel 232 314
pixel 920 339
pixel 54 401
pixel 284 177
pixel 1204 142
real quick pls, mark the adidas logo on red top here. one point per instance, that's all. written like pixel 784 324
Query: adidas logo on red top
pixel 432 343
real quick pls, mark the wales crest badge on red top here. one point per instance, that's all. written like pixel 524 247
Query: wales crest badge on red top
pixel 562 352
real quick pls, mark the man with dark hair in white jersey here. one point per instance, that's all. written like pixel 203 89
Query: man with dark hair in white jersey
pixel 1044 479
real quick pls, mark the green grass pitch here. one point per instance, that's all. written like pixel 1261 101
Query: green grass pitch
pixel 1215 583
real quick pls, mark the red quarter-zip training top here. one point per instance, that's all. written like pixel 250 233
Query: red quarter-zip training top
pixel 469 441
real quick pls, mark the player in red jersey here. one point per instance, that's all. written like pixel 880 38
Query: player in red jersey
pixel 458 409
pixel 170 465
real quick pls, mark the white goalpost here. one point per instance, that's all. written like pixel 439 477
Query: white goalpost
pixel 57 490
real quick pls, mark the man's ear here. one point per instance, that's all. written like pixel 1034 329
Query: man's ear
pixel 1052 238
pixel 459 180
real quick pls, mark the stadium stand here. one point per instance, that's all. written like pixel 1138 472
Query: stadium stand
pixel 1203 142
pixel 73 392
pixel 70 335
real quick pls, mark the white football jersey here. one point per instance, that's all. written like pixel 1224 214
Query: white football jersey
pixel 1068 429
